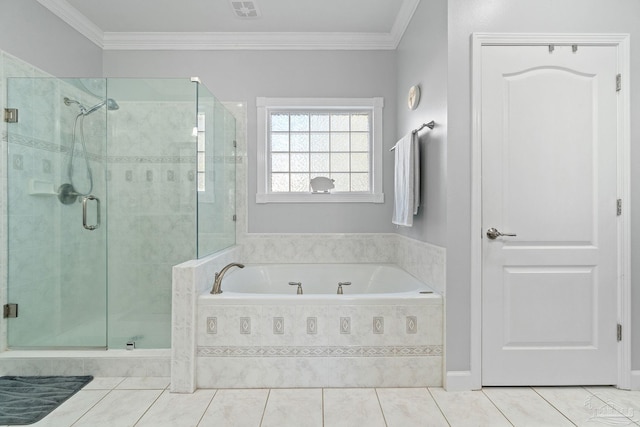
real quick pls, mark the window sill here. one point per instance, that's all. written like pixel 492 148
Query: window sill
pixel 320 198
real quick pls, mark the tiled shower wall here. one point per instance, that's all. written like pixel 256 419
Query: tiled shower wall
pixel 40 226
pixel 151 181
pixel 150 168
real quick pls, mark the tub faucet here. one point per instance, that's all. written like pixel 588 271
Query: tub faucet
pixel 340 285
pixel 299 285
pixel 217 282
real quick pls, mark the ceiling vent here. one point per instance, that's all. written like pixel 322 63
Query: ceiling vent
pixel 245 9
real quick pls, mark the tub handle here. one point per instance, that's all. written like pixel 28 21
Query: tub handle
pixel 340 284
pixel 299 285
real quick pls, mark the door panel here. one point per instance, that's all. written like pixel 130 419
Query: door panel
pixel 532 319
pixel 549 176
pixel 56 267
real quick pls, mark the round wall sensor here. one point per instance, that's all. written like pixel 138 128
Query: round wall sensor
pixel 414 97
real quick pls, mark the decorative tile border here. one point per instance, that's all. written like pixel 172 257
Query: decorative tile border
pixel 245 325
pixel 212 325
pixel 278 325
pixel 412 324
pixel 62 148
pixel 345 325
pixel 312 325
pixel 378 325
pixel 316 351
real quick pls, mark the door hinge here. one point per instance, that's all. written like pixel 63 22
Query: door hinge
pixel 235 143
pixel 11 115
pixel 618 82
pixel 619 207
pixel 619 332
pixel 10 310
pixel 234 218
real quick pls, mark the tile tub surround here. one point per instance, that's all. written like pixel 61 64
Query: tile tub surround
pixel 190 279
pixel 273 345
pixel 308 345
pixel 423 260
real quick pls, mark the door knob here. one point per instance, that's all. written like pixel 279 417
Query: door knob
pixel 493 234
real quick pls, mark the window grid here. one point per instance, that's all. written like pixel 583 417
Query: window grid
pixel 332 132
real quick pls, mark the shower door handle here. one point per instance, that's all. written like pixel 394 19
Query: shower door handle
pixel 85 202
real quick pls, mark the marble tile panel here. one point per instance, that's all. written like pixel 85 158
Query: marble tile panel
pixel 160 367
pixel 236 408
pixel 293 407
pixel 358 330
pixel 468 409
pixel 104 383
pixel 384 371
pixel 313 248
pixel 524 407
pixel 119 408
pixel 290 328
pixel 424 261
pixel 407 407
pixel 249 372
pixel 229 325
pixel 352 407
pixel 115 367
pixel 171 409
pixel 71 410
pixel 304 337
pixel 423 328
pixel 68 366
pixel 143 383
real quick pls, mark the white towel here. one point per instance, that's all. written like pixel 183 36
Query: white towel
pixel 406 198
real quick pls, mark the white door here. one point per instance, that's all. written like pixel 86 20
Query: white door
pixel 549 176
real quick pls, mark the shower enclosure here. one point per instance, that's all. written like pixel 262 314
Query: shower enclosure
pixel 111 182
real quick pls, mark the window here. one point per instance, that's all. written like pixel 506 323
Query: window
pixel 301 139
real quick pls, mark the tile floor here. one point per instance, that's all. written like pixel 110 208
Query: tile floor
pixel 119 402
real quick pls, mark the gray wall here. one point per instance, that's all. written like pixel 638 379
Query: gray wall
pixel 32 33
pixel 245 75
pixel 422 60
pixel 466 17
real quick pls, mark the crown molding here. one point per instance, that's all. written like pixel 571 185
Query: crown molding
pixel 407 9
pixel 248 41
pixel 231 40
pixel 69 14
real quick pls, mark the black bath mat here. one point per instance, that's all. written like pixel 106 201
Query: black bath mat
pixel 25 400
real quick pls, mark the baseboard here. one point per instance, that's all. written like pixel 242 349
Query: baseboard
pixel 635 380
pixel 458 381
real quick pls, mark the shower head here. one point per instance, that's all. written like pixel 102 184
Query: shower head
pixel 109 102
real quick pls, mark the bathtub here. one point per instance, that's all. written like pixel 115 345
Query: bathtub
pixel 385 330
pixel 319 282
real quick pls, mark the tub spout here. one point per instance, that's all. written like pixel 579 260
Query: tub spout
pixel 217 282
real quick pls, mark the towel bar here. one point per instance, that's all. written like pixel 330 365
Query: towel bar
pixel 429 125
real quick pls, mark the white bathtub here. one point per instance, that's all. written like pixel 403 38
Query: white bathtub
pixel 385 330
pixel 319 282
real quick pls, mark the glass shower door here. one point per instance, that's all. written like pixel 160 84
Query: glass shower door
pixel 56 214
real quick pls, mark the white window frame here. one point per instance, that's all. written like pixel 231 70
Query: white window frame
pixel 374 105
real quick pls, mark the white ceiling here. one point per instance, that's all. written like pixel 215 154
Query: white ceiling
pixel 213 24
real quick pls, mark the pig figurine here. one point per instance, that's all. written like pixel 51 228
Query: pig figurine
pixel 322 184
